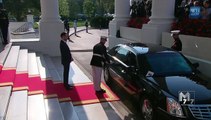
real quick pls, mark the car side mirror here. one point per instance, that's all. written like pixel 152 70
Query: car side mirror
pixel 195 65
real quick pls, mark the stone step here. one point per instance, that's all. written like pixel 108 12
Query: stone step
pixel 3 54
pixel 32 65
pixel 75 73
pixel 36 107
pixel 17 109
pixel 53 109
pixel 58 65
pixel 66 107
pixel 52 69
pixel 68 111
pixel 22 67
pixel 96 111
pixel 11 61
pixel 43 70
pixel 5 93
pixel 7 75
pixel 21 77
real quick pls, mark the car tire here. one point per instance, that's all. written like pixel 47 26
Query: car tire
pixel 147 109
pixel 107 76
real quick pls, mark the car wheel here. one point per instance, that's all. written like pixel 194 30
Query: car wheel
pixel 107 76
pixel 147 109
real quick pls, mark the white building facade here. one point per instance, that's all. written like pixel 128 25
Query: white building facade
pixel 160 21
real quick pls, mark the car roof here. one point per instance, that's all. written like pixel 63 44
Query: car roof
pixel 141 48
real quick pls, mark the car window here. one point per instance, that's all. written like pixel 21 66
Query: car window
pixel 168 63
pixel 113 50
pixel 132 59
pixel 122 55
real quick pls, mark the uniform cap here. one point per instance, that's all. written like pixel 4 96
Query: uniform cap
pixel 174 32
pixel 103 38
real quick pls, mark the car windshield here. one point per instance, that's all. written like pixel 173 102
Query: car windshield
pixel 168 63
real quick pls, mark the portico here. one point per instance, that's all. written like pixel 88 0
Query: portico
pixel 160 21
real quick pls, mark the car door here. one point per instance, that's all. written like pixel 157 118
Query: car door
pixel 118 66
pixel 133 80
pixel 121 71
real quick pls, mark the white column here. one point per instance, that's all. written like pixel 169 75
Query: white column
pixel 162 11
pixel 122 9
pixel 160 20
pixel 122 15
pixel 50 10
pixel 50 27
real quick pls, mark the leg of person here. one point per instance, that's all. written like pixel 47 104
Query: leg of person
pixel 97 71
pixel 65 76
pixel 4 34
pixel 75 31
pixel 68 31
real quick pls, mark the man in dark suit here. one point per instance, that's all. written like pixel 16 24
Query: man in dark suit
pixel 66 58
pixel 98 60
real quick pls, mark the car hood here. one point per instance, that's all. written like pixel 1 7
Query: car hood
pixel 200 89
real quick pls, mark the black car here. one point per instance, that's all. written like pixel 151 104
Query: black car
pixel 163 81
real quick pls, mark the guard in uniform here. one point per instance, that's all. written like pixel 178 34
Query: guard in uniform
pixel 4 24
pixel 98 60
pixel 177 42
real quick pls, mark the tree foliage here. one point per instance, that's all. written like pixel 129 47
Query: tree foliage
pixel 74 9
pixel 67 8
pixel 104 6
pixel 109 6
pixel 19 8
pixel 64 8
pixel 99 7
pixel 89 8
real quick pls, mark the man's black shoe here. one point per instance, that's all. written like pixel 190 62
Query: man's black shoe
pixel 68 87
pixel 100 91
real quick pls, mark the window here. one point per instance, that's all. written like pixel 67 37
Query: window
pixel 168 63
pixel 113 51
pixel 122 55
pixel 132 59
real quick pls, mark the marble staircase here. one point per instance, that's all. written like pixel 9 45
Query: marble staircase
pixel 18 104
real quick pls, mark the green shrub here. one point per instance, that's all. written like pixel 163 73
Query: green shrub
pixel 79 23
pixel 35 26
pixel 100 22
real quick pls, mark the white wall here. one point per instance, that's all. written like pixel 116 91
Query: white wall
pixel 141 35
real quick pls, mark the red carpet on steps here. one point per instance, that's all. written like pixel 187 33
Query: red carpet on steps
pixel 79 95
pixel 1 67
pixel 7 77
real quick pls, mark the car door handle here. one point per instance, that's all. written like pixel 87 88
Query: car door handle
pixel 123 71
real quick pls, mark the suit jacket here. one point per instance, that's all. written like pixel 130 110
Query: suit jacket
pixel 66 56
